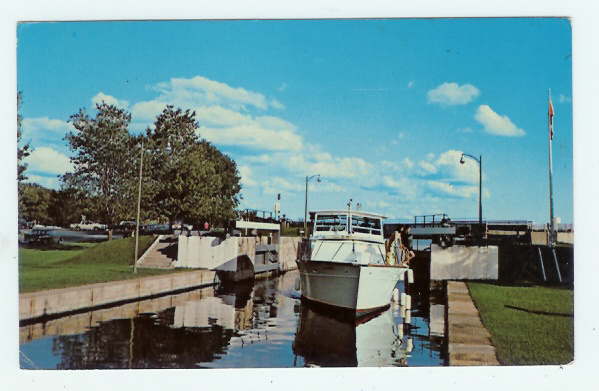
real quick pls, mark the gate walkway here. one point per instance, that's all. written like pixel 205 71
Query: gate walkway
pixel 469 341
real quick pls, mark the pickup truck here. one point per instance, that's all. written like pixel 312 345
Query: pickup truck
pixel 88 226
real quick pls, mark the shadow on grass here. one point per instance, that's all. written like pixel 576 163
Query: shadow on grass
pixel 538 312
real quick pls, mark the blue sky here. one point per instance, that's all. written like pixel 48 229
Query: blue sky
pixel 381 108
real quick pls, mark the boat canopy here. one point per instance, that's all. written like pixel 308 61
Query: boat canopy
pixel 347 222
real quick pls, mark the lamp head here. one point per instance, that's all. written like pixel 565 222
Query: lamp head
pixel 318 179
pixel 462 159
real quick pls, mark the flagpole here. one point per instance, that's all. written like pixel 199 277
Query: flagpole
pixel 551 220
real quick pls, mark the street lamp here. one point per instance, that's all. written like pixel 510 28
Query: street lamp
pixel 480 189
pixel 306 202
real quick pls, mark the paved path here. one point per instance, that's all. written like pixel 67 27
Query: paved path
pixel 469 341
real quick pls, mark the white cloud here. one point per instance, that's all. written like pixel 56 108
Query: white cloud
pixel 428 168
pixel 408 163
pixel 254 136
pixel 496 124
pixel 276 104
pixel 200 91
pixel 411 83
pixel 329 166
pixel 147 111
pixel 33 126
pixel 219 116
pixel 390 166
pixel 282 87
pixel 245 172
pixel 452 94
pixel 111 100
pixel 48 161
pixel 279 185
pixel 564 99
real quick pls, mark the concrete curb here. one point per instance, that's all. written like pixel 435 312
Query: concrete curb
pixel 469 341
pixel 56 301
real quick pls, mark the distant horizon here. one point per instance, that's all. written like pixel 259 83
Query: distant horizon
pixel 382 109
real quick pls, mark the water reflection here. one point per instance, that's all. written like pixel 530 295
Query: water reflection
pixel 239 326
pixel 331 339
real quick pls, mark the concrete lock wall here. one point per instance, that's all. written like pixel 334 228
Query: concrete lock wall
pixel 212 253
pixel 464 263
pixel 56 301
pixel 288 247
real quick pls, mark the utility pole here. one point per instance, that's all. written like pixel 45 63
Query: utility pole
pixel 141 165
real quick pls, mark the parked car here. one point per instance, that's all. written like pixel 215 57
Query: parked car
pixel 155 229
pixel 127 225
pixel 43 235
pixel 89 226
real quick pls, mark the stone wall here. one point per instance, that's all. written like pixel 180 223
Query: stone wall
pixel 464 263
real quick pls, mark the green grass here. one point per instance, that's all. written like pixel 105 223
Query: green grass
pixel 528 325
pixel 69 265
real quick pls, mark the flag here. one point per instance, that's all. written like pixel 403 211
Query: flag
pixel 550 119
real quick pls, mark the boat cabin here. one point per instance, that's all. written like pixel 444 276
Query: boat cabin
pixel 347 223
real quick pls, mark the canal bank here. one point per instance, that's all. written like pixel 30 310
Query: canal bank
pixel 66 300
pixel 469 342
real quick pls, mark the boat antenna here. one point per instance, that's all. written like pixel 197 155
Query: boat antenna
pixel 349 205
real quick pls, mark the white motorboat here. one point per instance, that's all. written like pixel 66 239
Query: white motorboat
pixel 344 262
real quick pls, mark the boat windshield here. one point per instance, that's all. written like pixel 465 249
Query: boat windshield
pixel 331 222
pixel 366 225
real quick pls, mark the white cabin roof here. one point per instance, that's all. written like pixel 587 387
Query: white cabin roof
pixel 345 211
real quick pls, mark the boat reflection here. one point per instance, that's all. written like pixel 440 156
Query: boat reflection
pixel 326 338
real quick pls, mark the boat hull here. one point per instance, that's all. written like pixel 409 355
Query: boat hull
pixel 360 288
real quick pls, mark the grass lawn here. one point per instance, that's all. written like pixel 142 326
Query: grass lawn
pixel 528 325
pixel 65 265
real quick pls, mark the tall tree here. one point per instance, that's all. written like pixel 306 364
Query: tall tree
pixel 22 153
pixel 171 142
pixel 102 156
pixel 192 180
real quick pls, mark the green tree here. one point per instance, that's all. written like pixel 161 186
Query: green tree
pixel 34 203
pixel 25 150
pixel 191 179
pixel 170 144
pixel 22 153
pixel 102 157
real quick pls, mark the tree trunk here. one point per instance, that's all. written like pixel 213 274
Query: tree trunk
pixel 110 234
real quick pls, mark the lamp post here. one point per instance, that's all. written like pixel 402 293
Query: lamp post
pixel 306 202
pixel 480 190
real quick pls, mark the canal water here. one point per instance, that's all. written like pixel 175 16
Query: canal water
pixel 257 324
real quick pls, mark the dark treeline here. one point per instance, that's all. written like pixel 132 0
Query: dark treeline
pixel 185 178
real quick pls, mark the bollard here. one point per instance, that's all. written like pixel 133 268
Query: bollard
pixel 402 311
pixel 402 300
pixel 297 284
pixel 395 295
pixel 408 317
pixel 408 302
pixel 409 345
pixel 400 331
pixel 410 276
